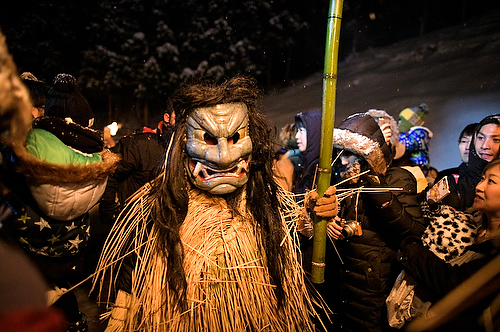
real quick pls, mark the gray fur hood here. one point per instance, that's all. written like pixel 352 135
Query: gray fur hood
pixel 360 134
pixel 374 113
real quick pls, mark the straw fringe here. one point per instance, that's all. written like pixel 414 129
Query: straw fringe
pixel 229 288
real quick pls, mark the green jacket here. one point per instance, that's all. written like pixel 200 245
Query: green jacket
pixel 47 147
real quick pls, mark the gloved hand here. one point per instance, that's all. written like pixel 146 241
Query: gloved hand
pixel 326 206
pixel 381 198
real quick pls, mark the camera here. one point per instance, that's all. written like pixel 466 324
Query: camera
pixel 350 228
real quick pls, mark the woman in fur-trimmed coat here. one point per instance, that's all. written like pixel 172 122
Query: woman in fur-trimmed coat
pixel 53 188
pixel 55 178
pixel 361 269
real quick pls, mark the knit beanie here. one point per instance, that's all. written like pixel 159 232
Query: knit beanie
pixel 65 101
pixel 414 116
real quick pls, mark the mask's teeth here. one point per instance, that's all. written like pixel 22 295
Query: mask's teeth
pixel 197 168
pixel 239 168
pixel 205 172
pixel 244 165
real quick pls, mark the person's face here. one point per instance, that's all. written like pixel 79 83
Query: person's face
pixel 301 138
pixel 488 142
pixel 487 198
pixel 351 166
pixel 463 147
pixel 37 112
pixel 432 173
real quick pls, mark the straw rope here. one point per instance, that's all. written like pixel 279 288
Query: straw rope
pixel 228 285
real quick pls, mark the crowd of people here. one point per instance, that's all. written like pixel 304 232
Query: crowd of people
pixel 399 227
pixel 207 221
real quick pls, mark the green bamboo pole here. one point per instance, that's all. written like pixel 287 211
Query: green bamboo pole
pixel 328 118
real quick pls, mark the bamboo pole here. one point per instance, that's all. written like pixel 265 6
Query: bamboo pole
pixel 327 123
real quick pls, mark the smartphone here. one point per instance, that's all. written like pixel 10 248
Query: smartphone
pixel 439 191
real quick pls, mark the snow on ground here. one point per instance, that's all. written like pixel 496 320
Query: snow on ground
pixel 455 71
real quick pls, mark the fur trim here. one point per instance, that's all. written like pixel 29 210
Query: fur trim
pixel 15 105
pixel 374 113
pixel 40 171
pixel 361 145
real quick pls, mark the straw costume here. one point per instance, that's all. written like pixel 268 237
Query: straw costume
pixel 210 244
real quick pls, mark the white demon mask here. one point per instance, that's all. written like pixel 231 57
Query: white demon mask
pixel 219 147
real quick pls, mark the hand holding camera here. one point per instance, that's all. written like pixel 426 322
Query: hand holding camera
pixel 350 228
pixel 340 229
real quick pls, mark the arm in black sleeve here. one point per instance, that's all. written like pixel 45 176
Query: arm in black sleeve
pixel 462 190
pixel 108 206
pixel 403 214
pixel 432 273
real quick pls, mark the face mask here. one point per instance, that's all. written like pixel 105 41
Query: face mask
pixel 219 148
pixel 350 171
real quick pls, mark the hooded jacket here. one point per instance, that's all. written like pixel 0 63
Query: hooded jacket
pixel 463 186
pixel 142 155
pixel 361 275
pixel 308 159
pixel 56 185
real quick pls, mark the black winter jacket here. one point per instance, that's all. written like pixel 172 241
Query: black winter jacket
pixel 142 155
pixel 463 189
pixel 359 278
pixel 438 277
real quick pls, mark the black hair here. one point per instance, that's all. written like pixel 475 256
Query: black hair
pixel 467 131
pixel 38 92
pixel 490 165
pixel 490 119
pixel 299 123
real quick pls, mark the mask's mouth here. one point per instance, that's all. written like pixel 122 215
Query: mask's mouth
pixel 206 173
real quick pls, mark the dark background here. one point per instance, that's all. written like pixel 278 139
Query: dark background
pixel 129 55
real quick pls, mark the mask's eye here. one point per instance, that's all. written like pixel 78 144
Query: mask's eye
pixel 233 139
pixel 209 139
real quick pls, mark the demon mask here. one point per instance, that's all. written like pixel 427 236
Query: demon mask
pixel 219 147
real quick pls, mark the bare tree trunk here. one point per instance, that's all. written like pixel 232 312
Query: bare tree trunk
pixel 146 113
pixel 269 68
pixel 355 37
pixel 110 109
pixel 288 65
